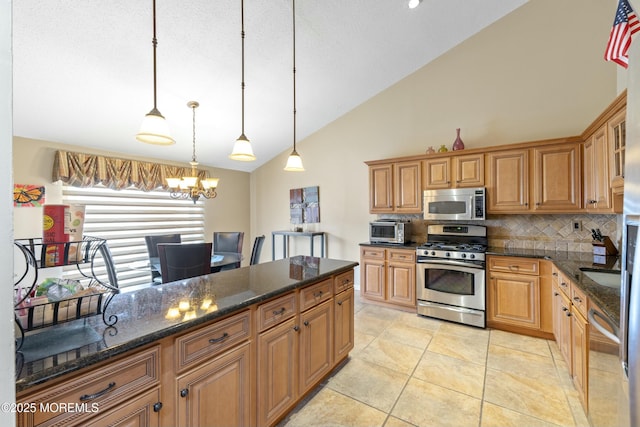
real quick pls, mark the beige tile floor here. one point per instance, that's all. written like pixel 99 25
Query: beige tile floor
pixel 407 370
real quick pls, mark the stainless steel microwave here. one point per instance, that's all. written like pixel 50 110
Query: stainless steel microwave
pixel 455 204
pixel 390 231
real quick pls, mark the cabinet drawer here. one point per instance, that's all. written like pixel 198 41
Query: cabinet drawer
pixel 315 294
pixel 273 312
pixel 343 281
pixel 515 265
pixel 579 299
pixel 370 252
pixel 208 341
pixel 105 387
pixel 401 255
pixel 564 284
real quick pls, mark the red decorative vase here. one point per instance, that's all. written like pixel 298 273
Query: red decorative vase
pixel 458 144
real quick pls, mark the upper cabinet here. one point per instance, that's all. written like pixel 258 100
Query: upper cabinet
pixel 395 187
pixel 456 171
pixel 603 159
pixel 538 177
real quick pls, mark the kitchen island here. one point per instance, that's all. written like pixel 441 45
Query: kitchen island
pixel 254 340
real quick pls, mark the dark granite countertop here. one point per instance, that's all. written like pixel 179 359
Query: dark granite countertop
pixel 570 263
pixel 142 315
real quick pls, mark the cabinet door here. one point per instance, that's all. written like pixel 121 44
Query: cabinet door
pixel 469 170
pixel 438 173
pixel 508 181
pixel 218 392
pixel 408 182
pixel 316 344
pixel 557 178
pixel 565 326
pixel 617 146
pixel 580 354
pixel 141 411
pixel 277 375
pixel 597 183
pixel 381 188
pixel 343 325
pixel 401 286
pixel 514 300
pixel 373 279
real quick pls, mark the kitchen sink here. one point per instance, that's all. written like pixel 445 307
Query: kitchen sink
pixel 609 279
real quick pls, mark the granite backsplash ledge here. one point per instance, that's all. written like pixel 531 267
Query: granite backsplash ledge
pixel 539 232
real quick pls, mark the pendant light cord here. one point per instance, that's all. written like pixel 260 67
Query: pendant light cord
pixel 242 37
pixel 193 106
pixel 293 2
pixel 154 41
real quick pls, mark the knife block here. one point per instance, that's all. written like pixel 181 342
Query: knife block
pixel 604 248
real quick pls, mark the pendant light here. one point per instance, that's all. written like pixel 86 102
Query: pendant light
pixel 294 162
pixel 242 148
pixel 154 128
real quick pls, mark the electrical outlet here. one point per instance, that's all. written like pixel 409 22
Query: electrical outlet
pixel 577 225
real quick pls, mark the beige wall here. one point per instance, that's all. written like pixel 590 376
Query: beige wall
pixel 538 73
pixel 33 163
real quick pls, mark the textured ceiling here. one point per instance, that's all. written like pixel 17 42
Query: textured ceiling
pixel 83 69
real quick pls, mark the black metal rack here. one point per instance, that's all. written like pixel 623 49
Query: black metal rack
pixel 32 313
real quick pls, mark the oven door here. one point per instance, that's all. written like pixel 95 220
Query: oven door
pixel 453 283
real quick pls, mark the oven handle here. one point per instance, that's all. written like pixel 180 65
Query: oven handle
pixel 456 309
pixel 452 262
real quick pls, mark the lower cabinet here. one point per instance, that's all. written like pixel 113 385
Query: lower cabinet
pixel 516 287
pixel 388 276
pixel 142 411
pixel 344 324
pixel 218 392
pixel 571 331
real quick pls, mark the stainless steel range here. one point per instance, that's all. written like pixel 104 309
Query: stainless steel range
pixel 450 274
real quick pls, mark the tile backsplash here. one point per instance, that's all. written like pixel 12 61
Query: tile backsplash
pixel 548 232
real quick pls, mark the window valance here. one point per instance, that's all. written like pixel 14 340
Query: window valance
pixel 88 170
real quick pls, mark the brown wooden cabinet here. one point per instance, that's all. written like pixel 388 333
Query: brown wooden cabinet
pixel 572 331
pixel 516 287
pixel 344 309
pixel 388 276
pixel 118 389
pixel 541 179
pixel 596 178
pixel 316 344
pixel 508 181
pixel 218 392
pixel 617 135
pixel 556 178
pixel 456 171
pixel 395 187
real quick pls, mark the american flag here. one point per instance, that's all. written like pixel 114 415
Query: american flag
pixel 624 26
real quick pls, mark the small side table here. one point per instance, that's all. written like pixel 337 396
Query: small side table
pixel 285 241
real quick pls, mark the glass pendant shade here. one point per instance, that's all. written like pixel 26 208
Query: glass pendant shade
pixel 294 163
pixel 155 130
pixel 210 183
pixel 242 150
pixel 173 182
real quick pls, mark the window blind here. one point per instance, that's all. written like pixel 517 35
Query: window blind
pixel 124 217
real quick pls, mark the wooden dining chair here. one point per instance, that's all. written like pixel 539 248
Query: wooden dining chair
pixel 228 241
pixel 184 260
pixel 152 248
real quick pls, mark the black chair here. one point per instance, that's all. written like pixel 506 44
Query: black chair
pixel 255 252
pixel 152 249
pixel 228 241
pixel 184 260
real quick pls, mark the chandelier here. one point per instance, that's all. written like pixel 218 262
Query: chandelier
pixel 192 187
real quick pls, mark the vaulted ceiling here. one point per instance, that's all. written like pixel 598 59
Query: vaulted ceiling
pixel 83 69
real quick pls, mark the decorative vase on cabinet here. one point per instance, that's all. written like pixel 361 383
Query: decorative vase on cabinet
pixel 458 144
pixel 442 149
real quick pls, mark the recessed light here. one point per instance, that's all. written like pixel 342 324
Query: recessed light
pixel 414 3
